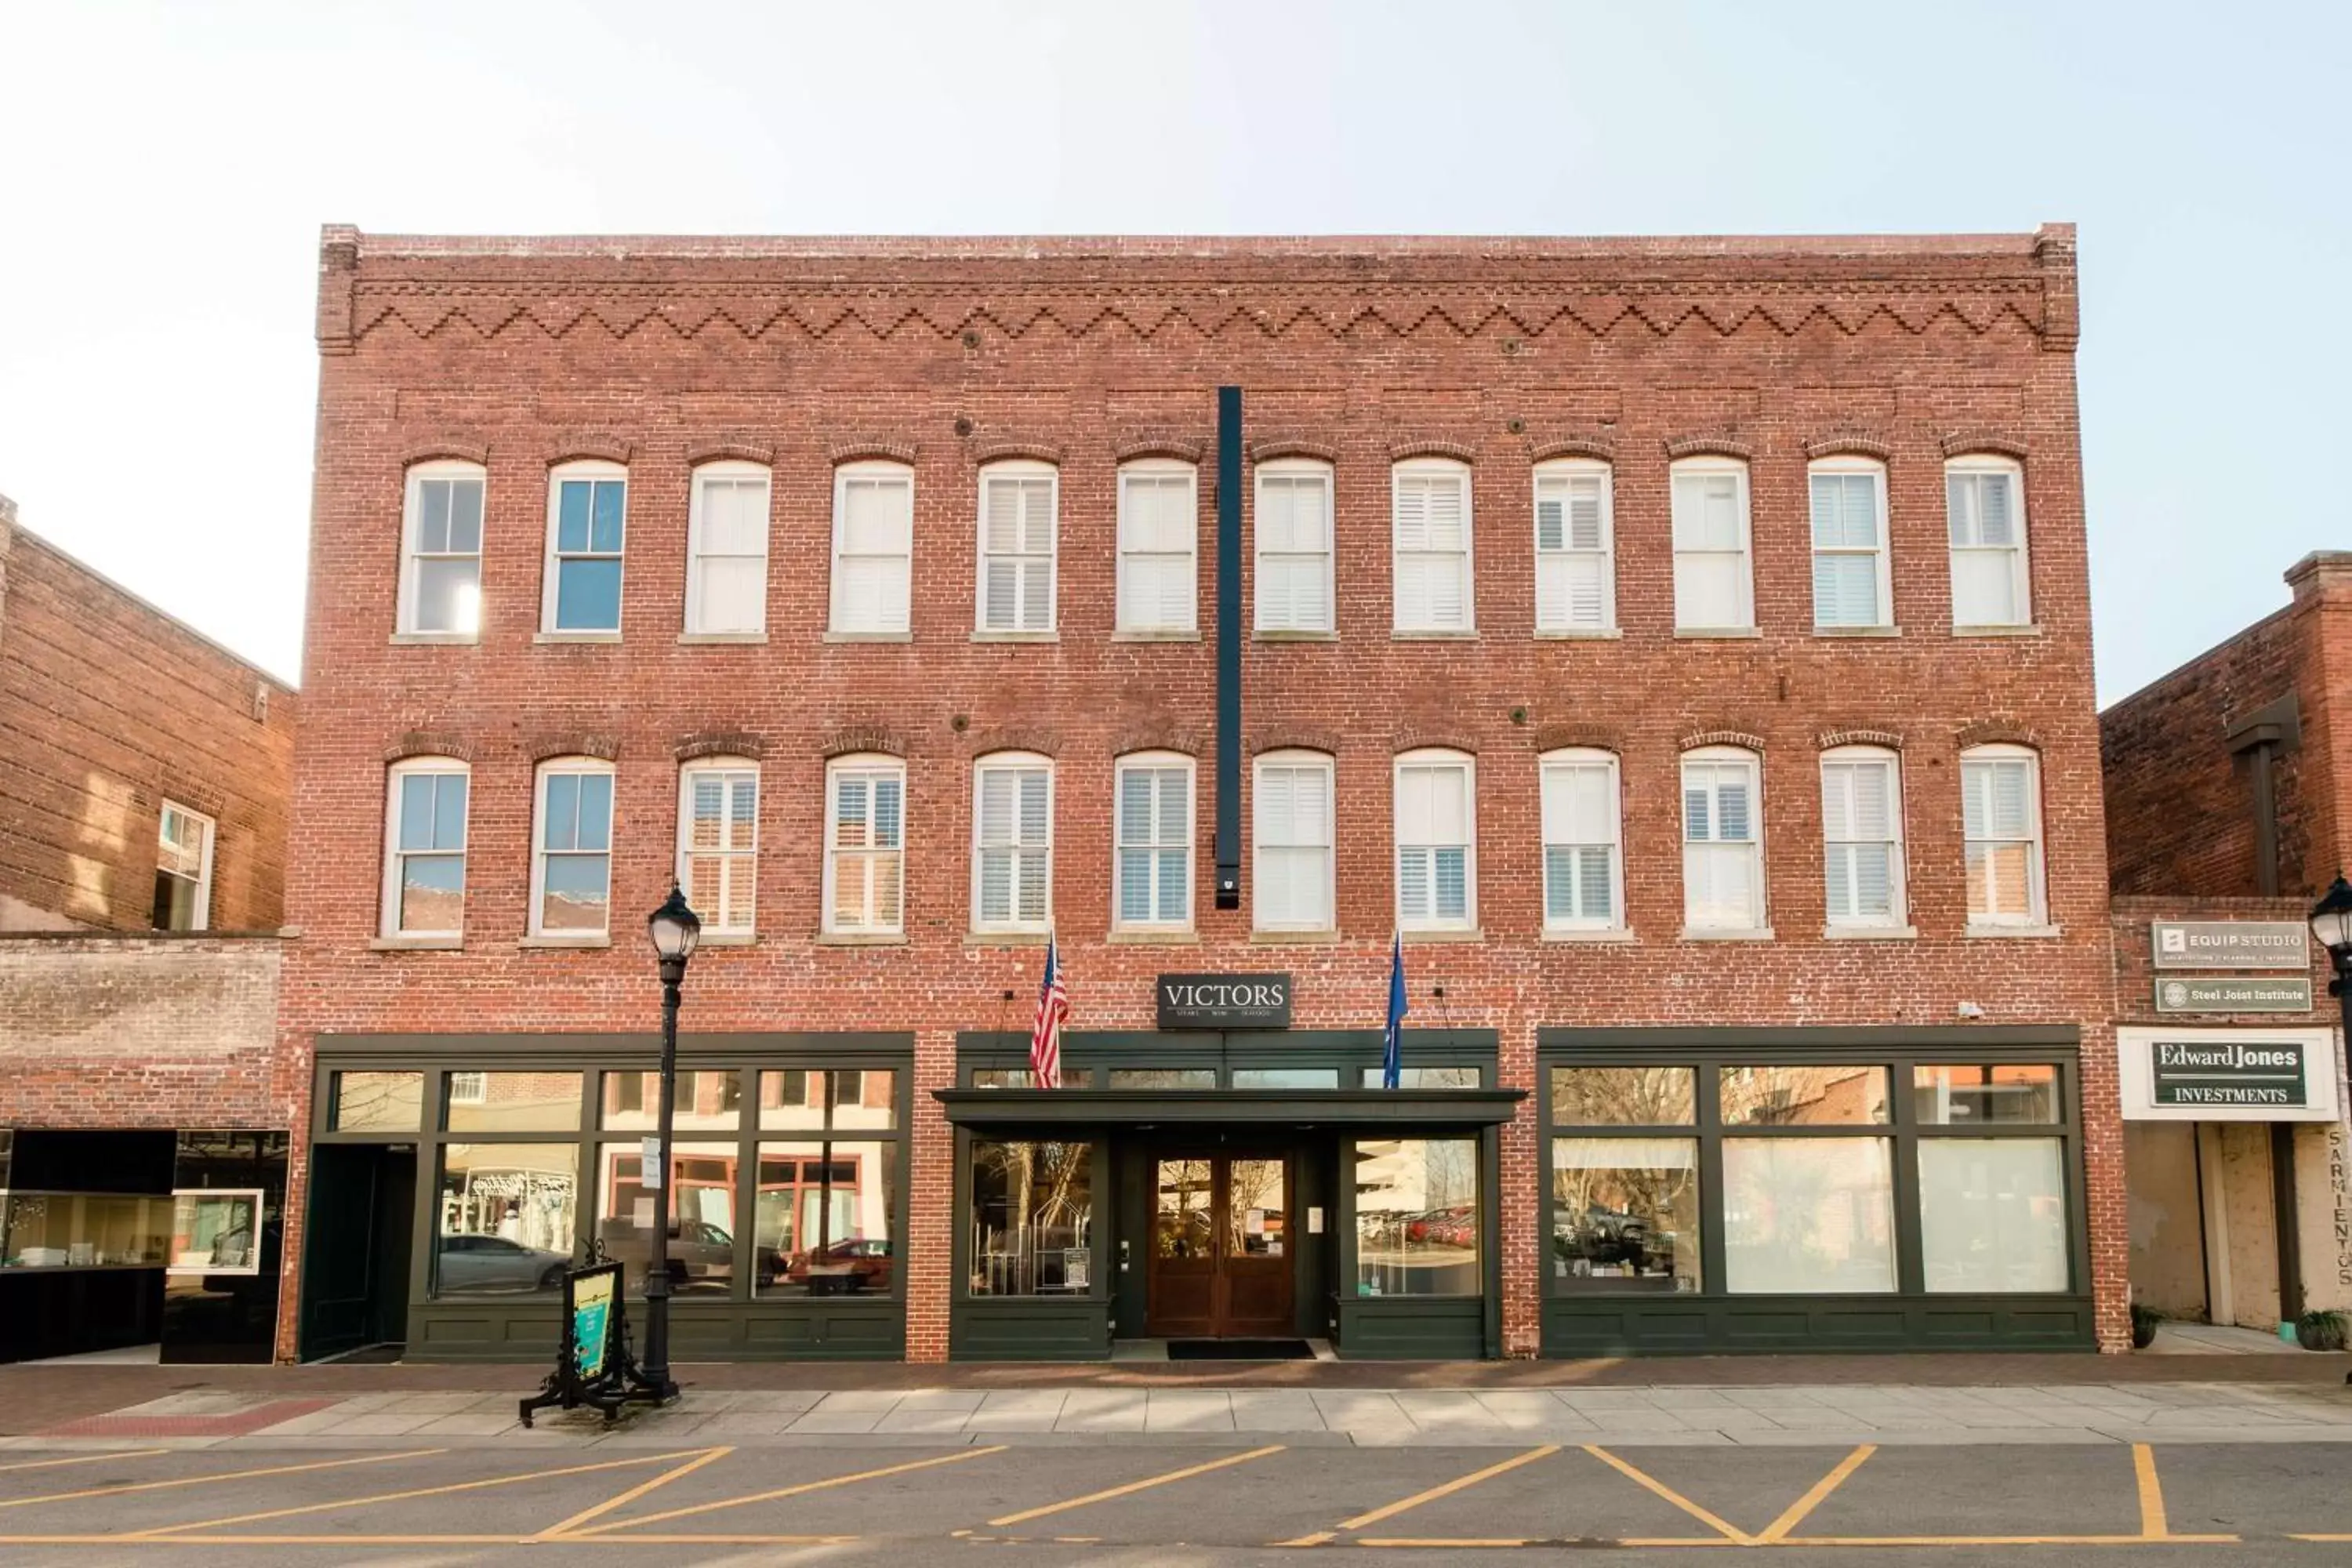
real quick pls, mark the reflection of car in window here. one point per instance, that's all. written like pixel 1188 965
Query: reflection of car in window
pixel 471 1262
pixel 848 1267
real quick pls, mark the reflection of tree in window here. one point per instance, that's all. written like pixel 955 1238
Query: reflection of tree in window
pixel 1032 1216
pixel 1417 1219
pixel 1622 1097
pixel 1803 1096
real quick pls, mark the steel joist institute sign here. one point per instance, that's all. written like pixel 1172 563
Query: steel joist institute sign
pixel 1225 1001
pixel 2224 994
pixel 2229 1072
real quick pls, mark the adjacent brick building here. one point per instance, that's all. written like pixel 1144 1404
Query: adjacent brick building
pixel 1685 642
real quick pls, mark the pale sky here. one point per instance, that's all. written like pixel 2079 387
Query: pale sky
pixel 166 169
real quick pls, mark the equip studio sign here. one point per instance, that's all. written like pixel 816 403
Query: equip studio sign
pixel 2181 1073
pixel 2232 944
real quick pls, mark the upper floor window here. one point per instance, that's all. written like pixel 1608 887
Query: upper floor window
pixel 718 841
pixel 1862 836
pixel 587 506
pixel 1012 843
pixel 1294 546
pixel 1576 589
pixel 1851 585
pixel 183 869
pixel 425 849
pixel 873 547
pixel 727 551
pixel 1017 546
pixel 1436 841
pixel 1152 867
pixel 1985 496
pixel 441 550
pixel 865 846
pixel 1723 848
pixel 571 849
pixel 1432 568
pixel 1158 540
pixel 1714 588
pixel 2000 805
pixel 1583 874
pixel 1291 842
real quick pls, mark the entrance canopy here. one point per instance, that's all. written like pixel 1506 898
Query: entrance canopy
pixel 1229 1106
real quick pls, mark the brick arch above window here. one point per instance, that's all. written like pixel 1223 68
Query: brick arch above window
pixel 1561 737
pixel 1997 731
pixel 868 449
pixel 1717 443
pixel 1432 737
pixel 195 795
pixel 1017 738
pixel 1273 447
pixel 1155 736
pixel 1851 444
pixel 1963 443
pixel 717 743
pixel 1747 740
pixel 1431 446
pixel 573 743
pixel 1830 738
pixel 1574 446
pixel 447 448
pixel 1182 448
pixel 737 449
pixel 852 738
pixel 429 743
pixel 589 446
pixel 1006 451
pixel 1295 738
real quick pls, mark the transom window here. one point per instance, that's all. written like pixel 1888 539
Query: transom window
pixel 727 549
pixel 1291 842
pixel 425 849
pixel 865 845
pixel 1851 585
pixel 1437 839
pixel 1012 843
pixel 718 841
pixel 1016 547
pixel 441 565
pixel 1294 546
pixel 572 862
pixel 1582 873
pixel 1723 851
pixel 1713 587
pixel 183 869
pixel 1158 540
pixel 1151 871
pixel 873 538
pixel 1985 499
pixel 2001 798
pixel 1575 565
pixel 1432 503
pixel 587 509
pixel 1862 833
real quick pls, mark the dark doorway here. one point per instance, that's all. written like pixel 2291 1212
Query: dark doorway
pixel 356 1251
pixel 1222 1252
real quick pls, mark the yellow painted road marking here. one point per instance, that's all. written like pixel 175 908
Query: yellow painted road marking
pixel 2151 1493
pixel 1660 1488
pixel 596 1530
pixel 226 1475
pixel 87 1459
pixel 2013 1540
pixel 1794 1514
pixel 507 1540
pixel 1133 1486
pixel 1460 1483
pixel 634 1493
pixel 1439 1542
pixel 163 1529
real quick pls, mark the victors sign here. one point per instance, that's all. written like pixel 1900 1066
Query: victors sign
pixel 1225 1001
pixel 2229 1072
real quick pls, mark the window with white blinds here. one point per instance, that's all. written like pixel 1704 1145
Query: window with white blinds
pixel 873 547
pixel 1714 587
pixel 1436 841
pixel 2000 805
pixel 1016 547
pixel 1159 546
pixel 727 549
pixel 1583 875
pixel 1431 563
pixel 1291 842
pixel 1862 833
pixel 441 550
pixel 865 846
pixel 1294 547
pixel 1012 843
pixel 1985 499
pixel 1575 565
pixel 1151 861
pixel 1851 585
pixel 718 841
pixel 1723 848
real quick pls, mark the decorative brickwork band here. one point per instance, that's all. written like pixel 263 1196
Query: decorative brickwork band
pixel 736 448
pixel 1295 738
pixel 1431 446
pixel 1574 447
pixel 605 748
pixel 1004 452
pixel 447 449
pixel 1176 447
pixel 339 266
pixel 1432 737
pixel 429 743
pixel 2061 304
pixel 1267 451
pixel 1996 733
pixel 1851 444
pixel 1156 737
pixel 1890 738
pixel 1019 738
pixel 855 738
pixel 589 445
pixel 1745 739
pixel 1717 446
pixel 1960 443
pixel 1559 737
pixel 871 450
pixel 717 743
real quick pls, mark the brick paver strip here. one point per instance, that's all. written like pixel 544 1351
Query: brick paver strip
pixel 228 1424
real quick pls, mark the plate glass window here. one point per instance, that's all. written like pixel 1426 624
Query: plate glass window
pixel 1158 540
pixel 1624 1214
pixel 1714 588
pixel 1850 574
pixel 1294 547
pixel 587 513
pixel 183 869
pixel 2001 798
pixel 865 845
pixel 572 866
pixel 1431 562
pixel 1808 1216
pixel 1723 852
pixel 1623 1096
pixel 1016 547
pixel 1985 501
pixel 441 574
pixel 1995 1094
pixel 1291 839
pixel 1862 830
pixel 1417 1217
pixel 718 841
pixel 1436 837
pixel 1152 868
pixel 507 1218
pixel 424 859
pixel 727 553
pixel 1032 1219
pixel 1582 875
pixel 1776 1096
pixel 1992 1213
pixel 873 546
pixel 1013 844
pixel 1575 569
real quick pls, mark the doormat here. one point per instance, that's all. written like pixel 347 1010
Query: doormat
pixel 1240 1350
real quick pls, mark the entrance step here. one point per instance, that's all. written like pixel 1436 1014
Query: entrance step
pixel 1240 1350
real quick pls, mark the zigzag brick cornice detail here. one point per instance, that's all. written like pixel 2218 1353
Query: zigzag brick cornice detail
pixel 1431 446
pixel 1560 737
pixel 447 448
pixel 1573 446
pixel 1851 444
pixel 581 446
pixel 717 743
pixel 1007 451
pixel 1279 447
pixel 1709 446
pixel 1747 740
pixel 573 743
pixel 1180 449
pixel 1890 738
pixel 852 738
pixel 730 448
pixel 429 743
pixel 1962 443
pixel 871 449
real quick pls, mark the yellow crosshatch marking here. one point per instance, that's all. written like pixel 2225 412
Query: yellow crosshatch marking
pixel 1794 1515
pixel 634 1493
pixel 164 1530
pixel 1728 1531
pixel 217 1476
pixel 1132 1486
pixel 599 1530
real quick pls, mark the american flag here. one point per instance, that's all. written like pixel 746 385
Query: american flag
pixel 1052 1012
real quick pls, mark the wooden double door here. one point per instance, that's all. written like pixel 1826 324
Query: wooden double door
pixel 1222 1248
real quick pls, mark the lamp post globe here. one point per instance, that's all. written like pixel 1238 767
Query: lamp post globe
pixel 675 929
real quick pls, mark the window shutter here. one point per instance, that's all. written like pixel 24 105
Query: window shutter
pixel 870 570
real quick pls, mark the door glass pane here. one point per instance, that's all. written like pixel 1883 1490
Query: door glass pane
pixel 369 1102
pixel 1032 1219
pixel 1181 1216
pixel 823 1219
pixel 1417 1217
pixel 1985 1096
pixel 1624 1214
pixel 1803 1097
pixel 1623 1096
pixel 506 1217
pixel 1808 1215
pixel 706 1102
pixel 1257 1208
pixel 513 1101
pixel 1992 1213
pixel 701 1213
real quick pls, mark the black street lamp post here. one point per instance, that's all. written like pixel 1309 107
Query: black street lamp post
pixel 675 929
pixel 2331 923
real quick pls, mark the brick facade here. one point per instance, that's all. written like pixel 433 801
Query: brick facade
pixel 657 351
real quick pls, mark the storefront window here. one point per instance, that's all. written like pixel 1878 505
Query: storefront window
pixel 1806 1216
pixel 1803 1096
pixel 1625 1214
pixel 1992 1213
pixel 216 1232
pixel 823 1219
pixel 1623 1096
pixel 513 1101
pixel 378 1102
pixel 1286 1078
pixel 2017 1093
pixel 864 1099
pixel 1417 1217
pixel 1163 1078
pixel 702 1210
pixel 1022 1078
pixel 1032 1219
pixel 1425 1078
pixel 706 1102
pixel 508 1216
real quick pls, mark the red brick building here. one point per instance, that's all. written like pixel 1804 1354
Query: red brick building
pixel 1683 646
pixel 144 778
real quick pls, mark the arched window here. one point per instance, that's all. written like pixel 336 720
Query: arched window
pixel 425 847
pixel 1431 566
pixel 1158 547
pixel 718 841
pixel 727 551
pixel 1012 842
pixel 1723 839
pixel 865 846
pixel 1436 840
pixel 572 850
pixel 1018 500
pixel 1984 498
pixel 1576 575
pixel 872 548
pixel 1584 872
pixel 1851 580
pixel 1151 855
pixel 1714 588
pixel 2001 807
pixel 1291 842
pixel 1861 836
pixel 441 550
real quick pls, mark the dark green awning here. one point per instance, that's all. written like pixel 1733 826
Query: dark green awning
pixel 1210 1107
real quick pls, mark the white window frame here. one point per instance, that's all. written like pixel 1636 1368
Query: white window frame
pixel 539 851
pixel 1021 468
pixel 742 860
pixel 1719 756
pixel 1131 616
pixel 1011 761
pixel 1737 469
pixel 422 767
pixel 1326 764
pixel 1571 470
pixel 168 807
pixel 412 556
pixel 1424 759
pixel 1153 762
pixel 872 765
pixel 1897 916
pixel 2021 567
pixel 870 471
pixel 1292 469
pixel 469 1088
pixel 551 567
pixel 2037 911
pixel 1579 758
pixel 1881 554
pixel 1423 468
pixel 735 470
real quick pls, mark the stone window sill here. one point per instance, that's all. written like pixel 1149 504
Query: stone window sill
pixel 869 636
pixel 417 944
pixel 564 941
pixel 1579 634
pixel 1016 636
pixel 435 639
pixel 1857 631
pixel 1998 631
pixel 1603 935
pixel 1870 933
pixel 1164 635
pixel 1406 633
pixel 712 639
pixel 1468 933
pixel 1154 938
pixel 1727 933
pixel 1295 938
pixel 1993 932
pixel 1005 939
pixel 861 938
pixel 726 939
pixel 550 638
pixel 1278 636
pixel 1712 634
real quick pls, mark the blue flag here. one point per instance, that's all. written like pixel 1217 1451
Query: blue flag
pixel 1393 1041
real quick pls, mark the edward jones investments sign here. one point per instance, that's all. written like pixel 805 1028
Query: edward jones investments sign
pixel 2239 1072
